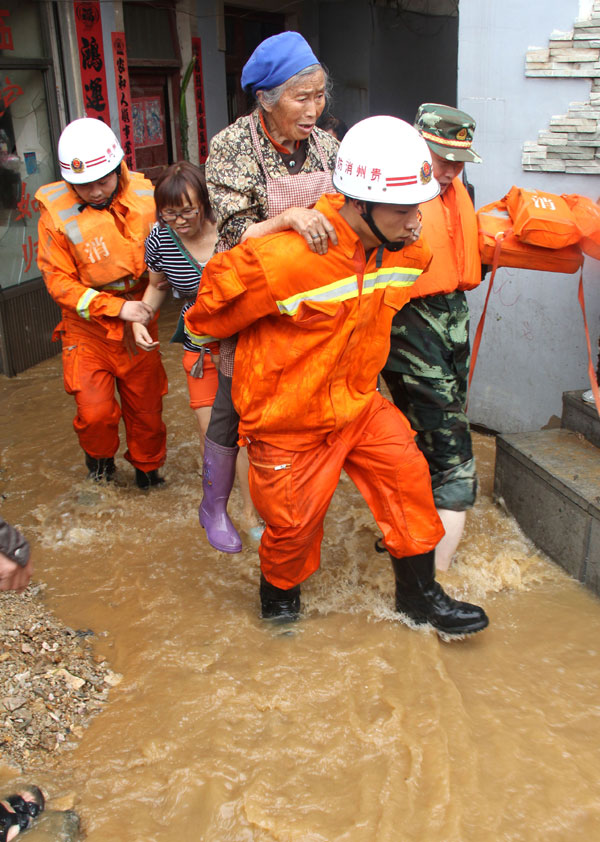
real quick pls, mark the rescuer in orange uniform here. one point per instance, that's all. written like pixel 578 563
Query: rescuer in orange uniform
pixel 92 230
pixel 428 367
pixel 314 334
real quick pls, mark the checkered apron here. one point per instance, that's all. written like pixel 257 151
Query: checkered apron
pixel 302 190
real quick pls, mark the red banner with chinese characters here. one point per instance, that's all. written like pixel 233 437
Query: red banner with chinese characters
pixel 91 59
pixel 123 97
pixel 199 93
pixel 6 39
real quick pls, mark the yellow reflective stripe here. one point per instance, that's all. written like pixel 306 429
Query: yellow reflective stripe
pixel 337 291
pixel 84 302
pixel 199 339
pixel 120 286
pixel 395 276
pixel 392 276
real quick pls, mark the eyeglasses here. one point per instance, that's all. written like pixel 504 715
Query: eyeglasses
pixel 186 213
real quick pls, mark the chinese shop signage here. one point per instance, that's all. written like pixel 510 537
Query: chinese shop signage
pixel 199 94
pixel 123 97
pixel 91 59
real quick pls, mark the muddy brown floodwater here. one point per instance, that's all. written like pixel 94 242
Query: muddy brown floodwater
pixel 349 726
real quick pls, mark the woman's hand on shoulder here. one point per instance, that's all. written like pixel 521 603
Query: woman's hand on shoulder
pixel 142 337
pixel 311 224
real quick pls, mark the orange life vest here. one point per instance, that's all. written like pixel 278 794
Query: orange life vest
pixel 450 229
pixel 587 219
pixel 106 245
pixel 541 219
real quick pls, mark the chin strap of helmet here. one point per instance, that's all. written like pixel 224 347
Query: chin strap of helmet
pixel 107 202
pixel 368 218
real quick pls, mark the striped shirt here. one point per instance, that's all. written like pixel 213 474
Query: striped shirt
pixel 166 253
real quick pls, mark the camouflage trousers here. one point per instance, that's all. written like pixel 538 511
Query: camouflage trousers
pixel 426 373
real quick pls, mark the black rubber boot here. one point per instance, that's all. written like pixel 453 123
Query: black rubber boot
pixel 100 469
pixel 147 479
pixel 279 604
pixel 424 600
pixel 27 805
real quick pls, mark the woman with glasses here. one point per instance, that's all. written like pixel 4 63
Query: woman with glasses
pixel 177 250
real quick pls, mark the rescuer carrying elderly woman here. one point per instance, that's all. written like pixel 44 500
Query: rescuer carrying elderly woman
pixel 92 229
pixel 314 333
pixel 264 173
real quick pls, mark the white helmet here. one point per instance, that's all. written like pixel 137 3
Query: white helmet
pixel 384 159
pixel 88 150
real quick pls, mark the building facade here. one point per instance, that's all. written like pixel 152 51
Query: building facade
pixel 165 75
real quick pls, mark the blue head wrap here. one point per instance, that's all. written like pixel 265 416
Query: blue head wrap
pixel 275 60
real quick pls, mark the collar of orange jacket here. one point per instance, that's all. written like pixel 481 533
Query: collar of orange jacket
pixel 330 205
pixel 124 180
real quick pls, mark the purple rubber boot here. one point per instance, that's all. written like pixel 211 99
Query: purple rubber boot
pixel 217 482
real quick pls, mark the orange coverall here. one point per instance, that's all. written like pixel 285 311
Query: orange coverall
pixel 314 334
pixel 92 261
pixel 450 230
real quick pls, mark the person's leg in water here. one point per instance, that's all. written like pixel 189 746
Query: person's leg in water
pixel 220 456
pixel 427 378
pixel 202 388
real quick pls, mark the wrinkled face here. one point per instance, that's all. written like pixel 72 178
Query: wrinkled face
pixel 445 171
pixel 298 109
pixel 185 217
pixel 396 222
pixel 97 192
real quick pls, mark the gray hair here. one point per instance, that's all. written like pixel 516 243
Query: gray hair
pixel 272 97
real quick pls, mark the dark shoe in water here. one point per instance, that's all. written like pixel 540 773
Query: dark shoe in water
pixel 100 469
pixel 18 811
pixel 423 600
pixel 147 479
pixel 279 604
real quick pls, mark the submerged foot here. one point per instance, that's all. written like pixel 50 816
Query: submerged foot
pixel 18 811
pixel 147 479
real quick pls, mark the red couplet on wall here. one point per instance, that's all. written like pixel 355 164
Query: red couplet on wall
pixel 123 97
pixel 199 94
pixel 91 59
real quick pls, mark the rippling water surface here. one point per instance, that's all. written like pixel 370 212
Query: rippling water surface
pixel 348 726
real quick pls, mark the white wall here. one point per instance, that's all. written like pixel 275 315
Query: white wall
pixel 533 346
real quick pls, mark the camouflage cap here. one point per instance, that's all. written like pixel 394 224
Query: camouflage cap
pixel 448 131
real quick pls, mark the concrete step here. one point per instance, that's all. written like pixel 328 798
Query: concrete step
pixel 550 482
pixel 581 417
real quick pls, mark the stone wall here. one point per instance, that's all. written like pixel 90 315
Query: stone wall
pixel 571 144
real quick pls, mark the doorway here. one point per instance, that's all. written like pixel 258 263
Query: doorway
pixel 151 121
pixel 244 30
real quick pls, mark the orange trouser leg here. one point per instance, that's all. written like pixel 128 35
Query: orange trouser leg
pixel 89 376
pixel 392 475
pixel 293 501
pixel 292 492
pixel 142 382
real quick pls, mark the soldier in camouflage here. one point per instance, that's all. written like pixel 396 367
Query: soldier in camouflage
pixel 428 365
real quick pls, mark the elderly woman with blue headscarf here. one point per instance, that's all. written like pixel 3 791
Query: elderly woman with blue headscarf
pixel 264 174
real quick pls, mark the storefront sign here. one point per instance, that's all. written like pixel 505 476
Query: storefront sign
pixel 123 97
pixel 199 93
pixel 91 58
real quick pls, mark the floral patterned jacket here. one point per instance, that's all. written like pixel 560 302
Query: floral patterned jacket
pixel 236 183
